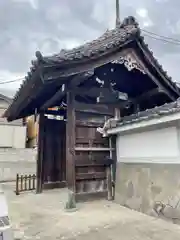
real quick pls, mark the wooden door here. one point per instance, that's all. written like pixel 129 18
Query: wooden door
pixel 54 155
pixel 87 152
pixel 92 153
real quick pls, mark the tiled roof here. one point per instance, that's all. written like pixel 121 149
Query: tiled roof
pixel 157 112
pixel 128 30
pixel 111 40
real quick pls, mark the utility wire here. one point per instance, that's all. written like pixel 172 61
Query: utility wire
pixel 161 38
pixel 147 33
pixel 11 81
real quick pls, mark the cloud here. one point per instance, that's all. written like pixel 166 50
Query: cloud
pixel 48 26
pixel 142 12
pixel 32 3
pixel 8 88
pixel 144 17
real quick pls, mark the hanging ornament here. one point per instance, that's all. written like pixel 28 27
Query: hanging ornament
pixel 129 62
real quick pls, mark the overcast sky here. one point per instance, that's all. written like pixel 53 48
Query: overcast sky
pixel 49 25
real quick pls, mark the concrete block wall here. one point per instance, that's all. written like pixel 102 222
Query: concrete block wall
pixel 13 161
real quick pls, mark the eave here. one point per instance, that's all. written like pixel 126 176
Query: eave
pixel 158 115
pixel 156 65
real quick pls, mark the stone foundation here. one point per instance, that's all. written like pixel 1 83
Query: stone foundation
pixel 153 189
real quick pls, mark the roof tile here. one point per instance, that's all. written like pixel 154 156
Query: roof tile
pixel 148 114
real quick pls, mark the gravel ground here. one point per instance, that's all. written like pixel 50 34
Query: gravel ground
pixel 44 217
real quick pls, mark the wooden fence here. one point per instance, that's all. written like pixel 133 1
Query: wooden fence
pixel 25 183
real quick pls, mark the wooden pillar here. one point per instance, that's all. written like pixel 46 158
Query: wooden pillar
pixel 114 166
pixel 109 183
pixel 24 121
pixel 117 113
pixel 109 173
pixel 40 167
pixel 70 150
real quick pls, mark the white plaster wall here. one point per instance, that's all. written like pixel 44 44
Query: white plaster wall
pixel 6 136
pixel 19 137
pixel 12 136
pixel 155 146
pixel 3 104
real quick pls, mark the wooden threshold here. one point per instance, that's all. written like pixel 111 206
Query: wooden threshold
pixel 89 196
pixel 93 149
pixel 83 162
pixel 90 176
pixel 52 185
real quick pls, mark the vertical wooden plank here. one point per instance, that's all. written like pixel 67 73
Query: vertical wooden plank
pixel 70 150
pixel 29 182
pixel 40 154
pixel 17 184
pixel 34 180
pixel 25 182
pixel 22 185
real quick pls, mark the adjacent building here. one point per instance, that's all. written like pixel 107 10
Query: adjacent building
pixel 12 134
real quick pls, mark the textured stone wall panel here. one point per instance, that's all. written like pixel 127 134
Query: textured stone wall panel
pixel 153 189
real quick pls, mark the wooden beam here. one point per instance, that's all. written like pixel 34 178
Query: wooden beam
pixel 147 95
pixel 150 93
pixel 84 91
pixel 95 92
pixel 57 96
pixel 78 79
pixel 93 108
pixel 74 82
